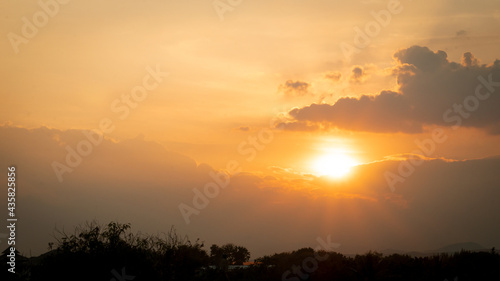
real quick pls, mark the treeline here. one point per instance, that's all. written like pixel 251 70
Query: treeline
pixel 113 253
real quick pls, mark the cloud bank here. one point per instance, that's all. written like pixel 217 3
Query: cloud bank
pixel 140 182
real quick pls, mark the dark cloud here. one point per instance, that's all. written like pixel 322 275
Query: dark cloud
pixel 294 88
pixel 468 60
pixel 422 58
pixel 357 114
pixel 243 128
pixel 432 91
pixel 357 75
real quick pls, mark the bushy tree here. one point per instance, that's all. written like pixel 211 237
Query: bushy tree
pixel 96 252
pixel 232 253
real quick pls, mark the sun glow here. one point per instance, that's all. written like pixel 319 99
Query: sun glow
pixel 334 164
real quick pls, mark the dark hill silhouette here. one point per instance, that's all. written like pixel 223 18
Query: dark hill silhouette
pixel 457 247
pixel 449 249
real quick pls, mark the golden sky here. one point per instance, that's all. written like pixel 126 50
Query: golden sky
pixel 280 90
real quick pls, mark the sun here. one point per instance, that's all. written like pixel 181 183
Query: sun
pixel 334 164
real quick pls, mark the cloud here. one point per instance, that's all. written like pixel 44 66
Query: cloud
pixel 109 183
pixel 432 91
pixel 423 207
pixel 422 58
pixel 357 114
pixel 469 60
pixel 298 126
pixel 357 75
pixel 461 33
pixel 140 182
pixel 333 76
pixel 294 88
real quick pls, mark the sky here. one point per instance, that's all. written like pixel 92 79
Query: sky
pixel 268 124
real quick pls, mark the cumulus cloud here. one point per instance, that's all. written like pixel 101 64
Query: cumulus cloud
pixel 358 114
pixel 357 74
pixel 432 91
pixel 422 58
pixel 294 88
pixel 469 60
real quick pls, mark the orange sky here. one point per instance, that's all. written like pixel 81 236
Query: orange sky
pixel 267 85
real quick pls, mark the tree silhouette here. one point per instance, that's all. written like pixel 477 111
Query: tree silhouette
pixel 234 254
pixel 113 252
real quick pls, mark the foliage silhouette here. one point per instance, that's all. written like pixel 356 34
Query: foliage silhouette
pixel 233 254
pixel 113 253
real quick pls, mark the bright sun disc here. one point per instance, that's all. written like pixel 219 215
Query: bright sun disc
pixel 335 164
